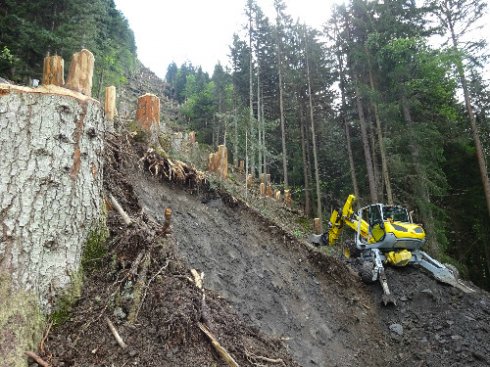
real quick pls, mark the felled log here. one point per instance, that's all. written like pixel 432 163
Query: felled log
pixel 54 70
pixel 81 72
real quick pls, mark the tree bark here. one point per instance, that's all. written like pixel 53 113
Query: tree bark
pixel 281 111
pixel 305 164
pixel 313 135
pixel 51 175
pixel 373 192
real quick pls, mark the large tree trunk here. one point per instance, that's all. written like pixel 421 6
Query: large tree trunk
pixel 51 183
pixel 373 191
pixel 313 135
pixel 306 177
pixel 281 109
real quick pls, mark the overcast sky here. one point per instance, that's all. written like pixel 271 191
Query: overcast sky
pixel 201 31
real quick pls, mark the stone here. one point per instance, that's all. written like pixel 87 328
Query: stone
pixel 396 329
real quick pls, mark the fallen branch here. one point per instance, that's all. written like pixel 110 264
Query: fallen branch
pixel 118 338
pixel 37 359
pixel 125 217
pixel 269 360
pixel 221 350
pixel 254 358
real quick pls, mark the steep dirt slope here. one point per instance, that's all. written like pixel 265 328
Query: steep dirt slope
pixel 312 303
pixel 268 294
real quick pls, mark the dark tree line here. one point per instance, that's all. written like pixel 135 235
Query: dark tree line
pixel 30 29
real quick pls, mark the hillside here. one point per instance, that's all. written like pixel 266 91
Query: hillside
pixel 271 298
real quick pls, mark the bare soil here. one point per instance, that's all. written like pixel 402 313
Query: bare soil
pixel 268 294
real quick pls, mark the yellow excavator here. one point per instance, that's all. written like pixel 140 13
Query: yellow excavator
pixel 384 235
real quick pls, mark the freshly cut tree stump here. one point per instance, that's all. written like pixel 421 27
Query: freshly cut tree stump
pixel 54 70
pixel 218 162
pixel 277 195
pixel 269 191
pixel 81 72
pixel 50 199
pixel 192 137
pixel 287 198
pixel 262 189
pixel 110 103
pixel 148 112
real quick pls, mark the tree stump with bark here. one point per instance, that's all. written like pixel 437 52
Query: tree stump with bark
pixel 287 198
pixel 50 202
pixel 148 111
pixel 81 72
pixel 218 161
pixel 54 70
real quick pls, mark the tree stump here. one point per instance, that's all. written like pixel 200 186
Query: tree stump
pixel 262 189
pixel 269 191
pixel 268 179
pixel 192 137
pixel 110 103
pixel 54 70
pixel 51 167
pixel 287 198
pixel 211 163
pixel 218 162
pixel 81 72
pixel 222 155
pixel 277 195
pixel 148 112
pixel 241 166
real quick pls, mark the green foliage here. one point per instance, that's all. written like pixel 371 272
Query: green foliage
pixel 30 30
